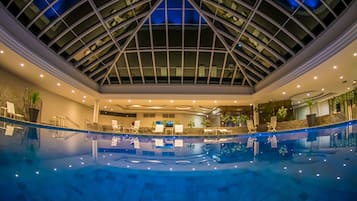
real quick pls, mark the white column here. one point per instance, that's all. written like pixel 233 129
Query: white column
pixel 255 115
pixel 96 111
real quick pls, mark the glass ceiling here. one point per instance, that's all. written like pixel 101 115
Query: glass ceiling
pixel 214 42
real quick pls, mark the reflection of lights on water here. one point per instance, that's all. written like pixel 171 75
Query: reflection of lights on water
pixel 54 169
pixel 193 169
pixel 128 166
pixel 81 158
pixel 309 159
pixel 16 175
pixel 325 160
pixel 215 168
pixel 170 169
pixel 108 164
pixel 300 171
pixel 250 161
pixel 70 166
pixel 285 168
pixel 37 172
pixel 344 165
pixel 149 168
pixel 351 150
pixel 235 166
pixel 338 178
pixel 299 154
pixel 317 175
pixel 82 163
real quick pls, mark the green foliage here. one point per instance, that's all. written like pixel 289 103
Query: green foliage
pixel 282 113
pixel 310 103
pixel 243 118
pixel 206 122
pixel 191 124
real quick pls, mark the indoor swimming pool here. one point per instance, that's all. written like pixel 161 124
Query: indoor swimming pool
pixel 47 163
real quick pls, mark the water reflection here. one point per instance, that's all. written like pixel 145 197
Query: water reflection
pixel 126 150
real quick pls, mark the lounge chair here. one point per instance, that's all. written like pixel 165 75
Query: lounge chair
pixel 11 110
pixel 178 128
pixel 207 131
pixel 115 125
pixel 251 127
pixel 159 128
pixel 136 126
pixel 224 131
pixel 272 124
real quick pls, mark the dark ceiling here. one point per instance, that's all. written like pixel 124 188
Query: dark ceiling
pixel 214 42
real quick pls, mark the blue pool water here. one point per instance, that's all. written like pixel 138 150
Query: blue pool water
pixel 50 164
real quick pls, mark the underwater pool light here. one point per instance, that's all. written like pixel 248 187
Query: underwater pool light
pixel 300 171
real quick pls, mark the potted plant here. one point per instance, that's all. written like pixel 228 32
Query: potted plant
pixel 206 122
pixel 282 113
pixel 311 118
pixel 34 105
pixel 243 119
pixel 191 124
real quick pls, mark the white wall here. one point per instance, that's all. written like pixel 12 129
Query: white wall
pixel 323 108
pixel 12 89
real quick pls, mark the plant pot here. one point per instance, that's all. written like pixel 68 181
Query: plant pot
pixel 33 114
pixel 311 120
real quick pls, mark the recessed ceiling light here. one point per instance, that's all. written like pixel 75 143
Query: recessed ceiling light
pixel 251 104
pixel 235 101
pixel 193 101
pixel 341 77
pixel 41 76
pixel 315 77
pixel 348 88
pixel 283 92
pixel 298 86
pixel 354 54
pixel 83 101
pixel 354 81
pixel 129 101
pixel 111 109
pixel 136 106
pixel 308 94
pixel 149 101
pixel 22 65
pixel 105 107
pixel 1 51
pixel 110 100
pixel 73 91
pixel 334 67
pixel 215 101
pixel 58 84
pixel 171 101
pixel 323 89
pixel 84 97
